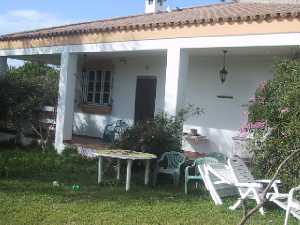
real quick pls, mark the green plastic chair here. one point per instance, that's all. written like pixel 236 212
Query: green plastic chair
pixel 219 156
pixel 170 163
pixel 192 172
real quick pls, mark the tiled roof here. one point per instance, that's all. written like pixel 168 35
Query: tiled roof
pixel 216 13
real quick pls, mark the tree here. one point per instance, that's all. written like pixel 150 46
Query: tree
pixel 24 91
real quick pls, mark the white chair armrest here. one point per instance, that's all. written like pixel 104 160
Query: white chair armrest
pixel 296 189
pixel 249 185
pixel 276 196
pixel 268 181
pixel 292 191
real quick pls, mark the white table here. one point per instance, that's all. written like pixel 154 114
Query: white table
pixel 127 155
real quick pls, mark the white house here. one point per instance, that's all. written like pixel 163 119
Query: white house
pixel 132 67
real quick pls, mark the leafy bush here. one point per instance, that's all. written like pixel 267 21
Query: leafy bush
pixel 277 104
pixel 163 133
pixel 24 90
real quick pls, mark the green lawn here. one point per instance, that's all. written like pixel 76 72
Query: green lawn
pixel 30 198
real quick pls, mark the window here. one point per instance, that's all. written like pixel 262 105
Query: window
pixel 96 87
pixel 150 2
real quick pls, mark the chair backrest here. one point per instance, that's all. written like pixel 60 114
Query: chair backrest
pixel 240 170
pixel 219 156
pixel 114 130
pixel 174 159
pixel 205 160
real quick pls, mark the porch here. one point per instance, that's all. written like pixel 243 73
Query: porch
pixel 183 76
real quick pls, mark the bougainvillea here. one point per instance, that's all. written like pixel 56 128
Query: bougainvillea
pixel 277 105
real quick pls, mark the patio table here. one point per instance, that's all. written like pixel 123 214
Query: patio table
pixel 127 155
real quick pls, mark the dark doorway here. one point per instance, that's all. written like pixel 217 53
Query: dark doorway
pixel 145 98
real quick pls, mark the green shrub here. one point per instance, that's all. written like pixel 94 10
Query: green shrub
pixel 277 103
pixel 162 134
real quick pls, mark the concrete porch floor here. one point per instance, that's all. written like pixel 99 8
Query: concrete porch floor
pixel 88 142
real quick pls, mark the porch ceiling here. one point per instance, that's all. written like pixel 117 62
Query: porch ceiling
pixel 247 51
pixel 53 59
pixel 112 55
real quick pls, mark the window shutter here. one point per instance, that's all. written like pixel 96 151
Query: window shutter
pixel 84 87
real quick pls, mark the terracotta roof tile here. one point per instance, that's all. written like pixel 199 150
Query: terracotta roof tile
pixel 201 14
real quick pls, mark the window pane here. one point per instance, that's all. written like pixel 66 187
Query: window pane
pixel 106 98
pixel 107 76
pixel 90 97
pixel 107 87
pixel 91 76
pixel 98 86
pixel 91 86
pixel 99 75
pixel 97 98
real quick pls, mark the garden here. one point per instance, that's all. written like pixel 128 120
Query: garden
pixel 38 186
pixel 29 196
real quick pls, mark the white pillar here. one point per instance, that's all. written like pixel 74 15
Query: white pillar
pixel 66 98
pixel 176 80
pixel 3 66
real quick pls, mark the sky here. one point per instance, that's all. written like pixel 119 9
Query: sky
pixel 20 15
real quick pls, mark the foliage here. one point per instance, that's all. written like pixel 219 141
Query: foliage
pixel 29 197
pixel 26 162
pixel 159 135
pixel 277 104
pixel 25 90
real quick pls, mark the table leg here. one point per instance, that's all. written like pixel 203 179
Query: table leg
pixel 147 172
pixel 128 176
pixel 100 170
pixel 118 169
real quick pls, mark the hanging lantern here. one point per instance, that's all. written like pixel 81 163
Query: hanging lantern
pixel 223 72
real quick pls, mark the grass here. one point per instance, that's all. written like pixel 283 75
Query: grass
pixel 32 199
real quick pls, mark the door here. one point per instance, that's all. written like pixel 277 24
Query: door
pixel 145 98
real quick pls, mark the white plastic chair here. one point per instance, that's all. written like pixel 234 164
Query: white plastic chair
pixel 247 186
pixel 289 203
pixel 218 180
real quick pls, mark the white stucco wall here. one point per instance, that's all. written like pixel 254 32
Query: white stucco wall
pixel 223 116
pixel 124 86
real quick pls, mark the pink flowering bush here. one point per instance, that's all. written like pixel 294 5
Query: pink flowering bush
pixel 276 105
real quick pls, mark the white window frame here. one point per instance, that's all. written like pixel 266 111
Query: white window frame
pixel 85 87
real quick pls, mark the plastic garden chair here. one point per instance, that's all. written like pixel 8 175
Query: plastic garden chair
pixel 218 180
pixel 213 157
pixel 288 202
pixel 219 156
pixel 114 130
pixel 170 163
pixel 193 173
pixel 248 187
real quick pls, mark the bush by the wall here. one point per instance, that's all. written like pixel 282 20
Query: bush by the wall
pixel 162 134
pixel 277 104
